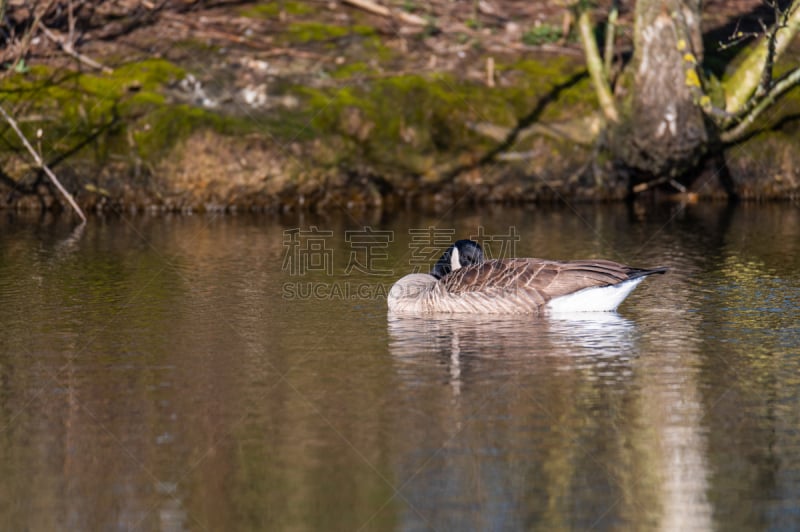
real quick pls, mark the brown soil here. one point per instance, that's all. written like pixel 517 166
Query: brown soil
pixel 124 30
pixel 245 53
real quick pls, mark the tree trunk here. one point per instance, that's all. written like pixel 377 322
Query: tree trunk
pixel 662 131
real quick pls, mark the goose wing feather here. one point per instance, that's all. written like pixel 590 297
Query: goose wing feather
pixel 533 281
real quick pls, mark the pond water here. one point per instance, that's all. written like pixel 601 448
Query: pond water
pixel 232 372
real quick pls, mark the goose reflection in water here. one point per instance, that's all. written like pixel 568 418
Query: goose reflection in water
pixel 563 381
pixel 466 341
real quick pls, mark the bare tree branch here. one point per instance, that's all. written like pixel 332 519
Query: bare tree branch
pixel 594 63
pixel 27 38
pixel 611 29
pixel 372 7
pixel 42 165
pixel 777 90
pixel 67 47
pixel 740 86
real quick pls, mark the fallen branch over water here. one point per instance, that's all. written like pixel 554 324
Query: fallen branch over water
pixel 42 165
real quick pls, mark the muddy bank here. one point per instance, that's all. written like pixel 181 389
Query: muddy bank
pixel 283 107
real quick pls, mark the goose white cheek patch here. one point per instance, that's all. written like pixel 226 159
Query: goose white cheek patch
pixel 455 261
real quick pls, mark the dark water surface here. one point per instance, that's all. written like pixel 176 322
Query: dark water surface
pixel 178 373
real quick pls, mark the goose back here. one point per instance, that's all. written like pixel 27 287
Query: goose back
pixel 515 286
pixel 547 277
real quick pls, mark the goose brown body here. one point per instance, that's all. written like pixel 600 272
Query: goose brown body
pixel 511 286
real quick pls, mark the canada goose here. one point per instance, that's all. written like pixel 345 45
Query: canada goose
pixel 462 281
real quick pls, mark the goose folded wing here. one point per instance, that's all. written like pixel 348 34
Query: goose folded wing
pixel 536 280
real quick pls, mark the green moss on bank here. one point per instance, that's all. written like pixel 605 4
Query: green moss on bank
pixel 532 79
pixel 306 32
pixel 351 70
pixel 408 128
pixel 400 123
pixel 411 123
pixel 126 112
pixel 271 10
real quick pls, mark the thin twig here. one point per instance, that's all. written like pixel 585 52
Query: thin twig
pixel 70 24
pixel 372 7
pixel 680 188
pixel 27 38
pixel 766 81
pixel 201 31
pixel 290 52
pixel 67 47
pixel 518 155
pixel 647 185
pixel 743 82
pixel 42 165
pixel 736 38
pixel 611 27
pixel 771 34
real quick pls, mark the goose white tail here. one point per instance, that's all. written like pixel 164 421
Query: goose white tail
pixel 596 299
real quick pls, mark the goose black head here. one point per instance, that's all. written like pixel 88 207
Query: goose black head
pixel 462 253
